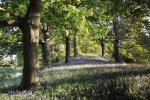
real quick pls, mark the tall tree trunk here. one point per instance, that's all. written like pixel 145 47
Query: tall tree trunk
pixel 46 47
pixel 102 46
pixel 116 51
pixel 67 58
pixel 30 27
pixel 75 46
pixel 116 43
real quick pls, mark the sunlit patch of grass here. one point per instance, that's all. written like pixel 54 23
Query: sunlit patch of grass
pixel 89 56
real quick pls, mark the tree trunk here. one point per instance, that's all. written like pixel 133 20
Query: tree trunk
pixel 67 58
pixel 102 46
pixel 116 52
pixel 46 47
pixel 75 46
pixel 30 28
pixel 116 43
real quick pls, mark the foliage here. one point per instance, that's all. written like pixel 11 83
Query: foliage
pixel 89 56
pixel 109 49
pixel 89 46
pixel 129 29
pixel 83 18
pixel 5 63
pixel 10 45
pixel 57 53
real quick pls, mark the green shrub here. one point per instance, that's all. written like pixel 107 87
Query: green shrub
pixel 58 53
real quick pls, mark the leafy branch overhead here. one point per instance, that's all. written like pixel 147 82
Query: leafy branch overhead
pixel 10 22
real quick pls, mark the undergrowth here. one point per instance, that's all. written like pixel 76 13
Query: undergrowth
pixel 94 83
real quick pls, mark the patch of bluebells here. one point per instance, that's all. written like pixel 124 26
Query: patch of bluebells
pixel 26 95
pixel 88 83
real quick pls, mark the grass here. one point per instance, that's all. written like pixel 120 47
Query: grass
pixel 9 78
pixel 92 56
pixel 6 73
pixel 91 83
pixel 101 83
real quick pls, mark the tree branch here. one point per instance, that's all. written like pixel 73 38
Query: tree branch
pixel 11 13
pixel 9 23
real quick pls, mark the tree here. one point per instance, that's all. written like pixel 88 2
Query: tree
pixel 46 46
pixel 67 57
pixel 100 23
pixel 126 16
pixel 69 18
pixel 75 46
pixel 102 40
pixel 29 24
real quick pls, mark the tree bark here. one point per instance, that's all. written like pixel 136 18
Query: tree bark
pixel 116 43
pixel 30 28
pixel 103 49
pixel 67 57
pixel 116 52
pixel 75 46
pixel 46 47
pixel 102 46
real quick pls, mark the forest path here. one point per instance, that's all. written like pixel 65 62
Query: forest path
pixel 89 60
pixel 85 62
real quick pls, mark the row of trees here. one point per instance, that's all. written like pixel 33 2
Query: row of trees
pixel 120 27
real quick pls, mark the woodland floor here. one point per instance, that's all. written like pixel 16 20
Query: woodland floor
pixel 87 62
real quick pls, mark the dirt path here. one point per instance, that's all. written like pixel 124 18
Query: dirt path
pixel 89 62
pixel 80 64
